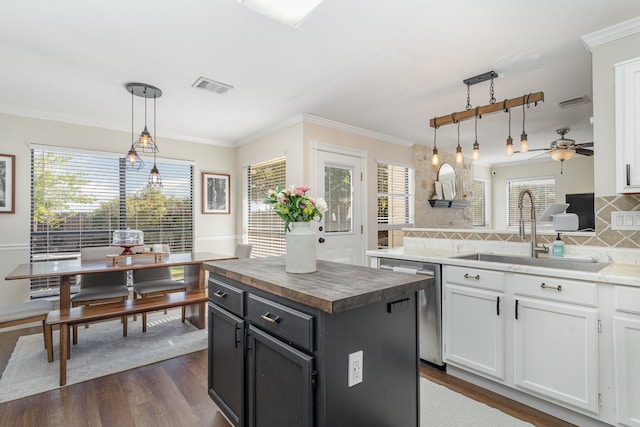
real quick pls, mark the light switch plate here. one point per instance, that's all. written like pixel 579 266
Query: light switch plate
pixel 356 368
pixel 625 220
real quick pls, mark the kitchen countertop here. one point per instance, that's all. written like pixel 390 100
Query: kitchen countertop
pixel 333 288
pixel 619 274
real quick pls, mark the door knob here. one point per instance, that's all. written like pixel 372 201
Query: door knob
pixel 321 240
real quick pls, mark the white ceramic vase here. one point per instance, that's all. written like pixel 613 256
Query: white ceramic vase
pixel 301 248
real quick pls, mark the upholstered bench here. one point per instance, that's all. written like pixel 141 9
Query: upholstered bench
pixel 27 312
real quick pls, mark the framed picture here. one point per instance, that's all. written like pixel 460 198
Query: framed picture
pixel 7 183
pixel 215 193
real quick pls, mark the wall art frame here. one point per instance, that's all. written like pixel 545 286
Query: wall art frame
pixel 216 197
pixel 7 183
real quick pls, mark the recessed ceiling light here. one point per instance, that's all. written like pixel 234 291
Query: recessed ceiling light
pixel 289 12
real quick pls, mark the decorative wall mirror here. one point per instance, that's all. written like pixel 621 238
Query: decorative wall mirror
pixel 447 178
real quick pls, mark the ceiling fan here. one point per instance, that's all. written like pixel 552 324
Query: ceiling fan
pixel 564 148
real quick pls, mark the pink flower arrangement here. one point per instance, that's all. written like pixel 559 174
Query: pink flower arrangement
pixel 293 205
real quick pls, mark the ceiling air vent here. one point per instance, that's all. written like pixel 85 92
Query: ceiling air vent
pixel 212 85
pixel 574 102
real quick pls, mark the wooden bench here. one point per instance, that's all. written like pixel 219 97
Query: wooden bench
pixel 76 315
pixel 27 312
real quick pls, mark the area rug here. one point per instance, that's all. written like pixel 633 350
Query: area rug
pixel 441 407
pixel 101 350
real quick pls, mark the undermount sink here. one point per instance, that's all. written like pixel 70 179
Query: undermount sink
pixel 562 264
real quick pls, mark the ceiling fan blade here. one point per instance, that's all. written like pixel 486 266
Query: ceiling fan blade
pixel 534 149
pixel 586 144
pixel 584 151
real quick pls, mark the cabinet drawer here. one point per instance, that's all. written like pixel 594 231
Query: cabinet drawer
pixel 227 296
pixel 476 277
pixel 556 289
pixel 291 325
pixel 627 299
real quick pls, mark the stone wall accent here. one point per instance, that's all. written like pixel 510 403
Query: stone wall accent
pixel 605 236
pixel 426 174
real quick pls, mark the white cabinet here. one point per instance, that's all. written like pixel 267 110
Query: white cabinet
pixel 556 339
pixel 474 320
pixel 626 349
pixel 627 82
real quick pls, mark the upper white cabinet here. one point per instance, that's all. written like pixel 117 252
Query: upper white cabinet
pixel 628 126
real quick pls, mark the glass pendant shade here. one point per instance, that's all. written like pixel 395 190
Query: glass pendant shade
pixel 524 143
pixel 509 150
pixel 459 157
pixel 435 159
pixel 476 151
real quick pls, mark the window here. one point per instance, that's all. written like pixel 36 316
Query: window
pixel 265 229
pixel 544 193
pixel 79 198
pixel 395 203
pixel 479 203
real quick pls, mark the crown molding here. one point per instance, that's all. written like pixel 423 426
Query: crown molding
pixel 308 118
pixel 609 34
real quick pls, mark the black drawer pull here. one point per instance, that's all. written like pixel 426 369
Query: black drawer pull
pixel 468 276
pixel 268 318
pixel 557 288
pixel 498 307
pixel 220 294
pixel 628 174
pixel 238 328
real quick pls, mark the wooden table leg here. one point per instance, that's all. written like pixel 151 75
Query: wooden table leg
pixel 48 339
pixel 65 292
pixel 195 313
pixel 64 350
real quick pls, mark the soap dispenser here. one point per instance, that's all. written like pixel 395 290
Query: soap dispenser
pixel 557 249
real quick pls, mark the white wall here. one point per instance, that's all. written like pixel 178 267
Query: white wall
pixel 214 233
pixel 578 177
pixel 604 57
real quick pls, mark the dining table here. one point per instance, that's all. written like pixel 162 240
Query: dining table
pixel 194 273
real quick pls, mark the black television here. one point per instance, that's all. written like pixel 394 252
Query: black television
pixel 582 204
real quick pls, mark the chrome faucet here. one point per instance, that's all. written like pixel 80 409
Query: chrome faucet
pixel 535 248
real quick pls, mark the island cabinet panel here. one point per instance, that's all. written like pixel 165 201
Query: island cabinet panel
pixel 295 355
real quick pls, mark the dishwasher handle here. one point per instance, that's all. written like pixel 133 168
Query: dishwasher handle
pixel 414 270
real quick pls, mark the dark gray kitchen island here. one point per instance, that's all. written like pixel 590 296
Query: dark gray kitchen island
pixel 288 349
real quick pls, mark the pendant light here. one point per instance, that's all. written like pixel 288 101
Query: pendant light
pixel 509 150
pixel 476 147
pixel 459 148
pixel 134 162
pixel 435 159
pixel 145 142
pixel 155 180
pixel 524 143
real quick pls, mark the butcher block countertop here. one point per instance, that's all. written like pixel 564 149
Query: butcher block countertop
pixel 333 288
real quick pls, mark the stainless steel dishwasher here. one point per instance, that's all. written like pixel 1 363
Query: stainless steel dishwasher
pixel 430 304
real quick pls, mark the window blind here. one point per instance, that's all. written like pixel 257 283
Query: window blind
pixel 79 198
pixel 265 229
pixel 395 196
pixel 479 203
pixel 544 193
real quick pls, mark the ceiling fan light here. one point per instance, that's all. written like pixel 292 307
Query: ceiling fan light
pixel 509 149
pixel 561 154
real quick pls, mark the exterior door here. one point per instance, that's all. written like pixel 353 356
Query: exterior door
pixel 341 233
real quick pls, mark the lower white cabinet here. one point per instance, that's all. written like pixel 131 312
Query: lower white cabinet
pixel 555 351
pixel 626 350
pixel 545 330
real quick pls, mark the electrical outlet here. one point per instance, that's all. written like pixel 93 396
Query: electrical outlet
pixel 356 368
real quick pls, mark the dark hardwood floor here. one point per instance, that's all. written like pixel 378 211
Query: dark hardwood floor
pixel 172 393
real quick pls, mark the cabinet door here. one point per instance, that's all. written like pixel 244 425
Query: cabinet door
pixel 628 126
pixel 556 351
pixel 280 382
pixel 474 329
pixel 226 363
pixel 627 369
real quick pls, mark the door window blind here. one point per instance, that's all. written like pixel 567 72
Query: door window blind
pixel 265 228
pixel 79 198
pixel 544 193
